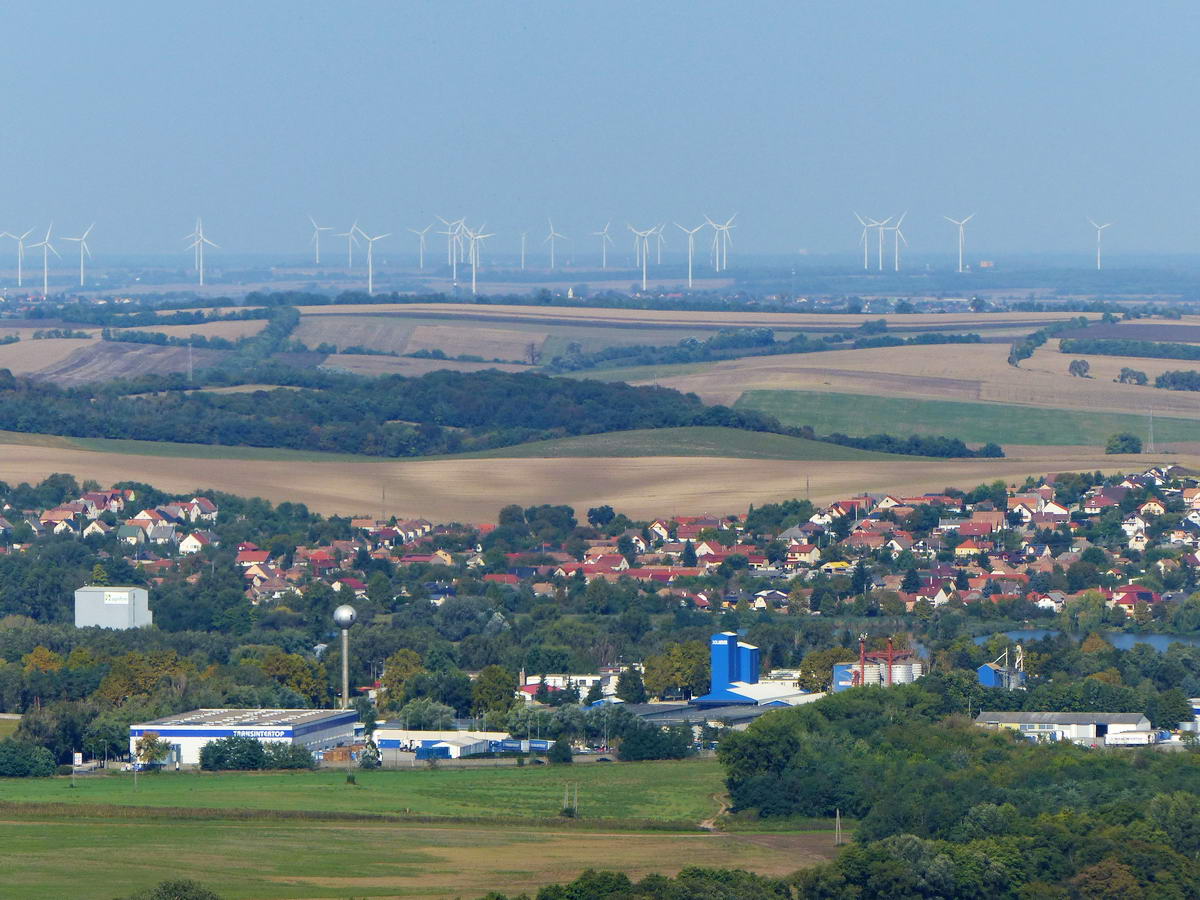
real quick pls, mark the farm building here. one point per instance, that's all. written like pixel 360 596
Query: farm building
pixel 1082 728
pixel 187 733
pixel 112 607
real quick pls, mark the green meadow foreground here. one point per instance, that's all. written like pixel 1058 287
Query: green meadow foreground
pixel 418 833
pixel 680 793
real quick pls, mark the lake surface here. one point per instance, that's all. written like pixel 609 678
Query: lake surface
pixel 1120 639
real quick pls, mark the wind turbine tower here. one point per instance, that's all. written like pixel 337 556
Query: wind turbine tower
pixel 47 249
pixel 351 236
pixel 83 248
pixel 866 228
pixel 371 257
pixel 641 240
pixel 721 241
pixel 897 237
pixel 316 239
pixel 551 238
pixel 962 236
pixel 605 240
pixel 20 239
pixel 691 238
pixel 476 238
pixel 421 245
pixel 881 226
pixel 198 242
pixel 1099 231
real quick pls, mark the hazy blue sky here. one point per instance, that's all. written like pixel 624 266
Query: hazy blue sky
pixel 1035 115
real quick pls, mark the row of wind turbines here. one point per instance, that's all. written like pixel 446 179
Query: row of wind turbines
pixel 463 245
pixel 885 225
pixel 47 249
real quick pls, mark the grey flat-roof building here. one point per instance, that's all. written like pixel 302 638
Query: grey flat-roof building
pixel 105 606
pixel 1082 728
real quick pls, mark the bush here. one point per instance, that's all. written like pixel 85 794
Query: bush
pixel 560 752
pixel 1124 442
pixel 288 756
pixel 652 742
pixel 185 889
pixel 65 769
pixel 21 760
pixel 239 753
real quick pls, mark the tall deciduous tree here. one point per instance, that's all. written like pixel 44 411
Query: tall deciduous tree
pixel 494 690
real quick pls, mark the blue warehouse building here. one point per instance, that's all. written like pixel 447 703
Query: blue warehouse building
pixel 735 677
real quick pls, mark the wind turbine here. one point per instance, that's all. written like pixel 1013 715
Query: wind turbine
pixel 421 246
pixel 658 237
pixel 371 257
pixel 721 241
pixel 897 237
pixel 641 240
pixel 316 239
pixel 962 236
pixel 351 236
pixel 691 236
pixel 524 235
pixel 475 238
pixel 47 249
pixel 83 248
pixel 605 240
pixel 863 239
pixel 550 239
pixel 198 241
pixel 881 226
pixel 1099 231
pixel 453 234
pixel 20 239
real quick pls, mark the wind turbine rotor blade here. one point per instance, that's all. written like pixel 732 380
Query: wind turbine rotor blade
pixel 968 218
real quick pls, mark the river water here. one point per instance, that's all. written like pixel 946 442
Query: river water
pixel 1120 639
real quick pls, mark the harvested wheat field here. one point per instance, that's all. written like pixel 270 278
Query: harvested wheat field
pixel 386 334
pixel 1102 368
pixel 361 364
pixel 104 360
pixel 968 372
pixel 231 331
pixel 965 320
pixel 27 357
pixel 475 489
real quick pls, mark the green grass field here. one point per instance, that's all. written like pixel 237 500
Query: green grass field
pixel 860 414
pixel 263 836
pixel 8 727
pixel 693 441
pixel 679 792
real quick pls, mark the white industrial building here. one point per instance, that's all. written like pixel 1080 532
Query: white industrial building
pixel 187 733
pixel 112 607
pixel 1081 728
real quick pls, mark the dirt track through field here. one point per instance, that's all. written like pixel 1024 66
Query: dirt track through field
pixel 474 490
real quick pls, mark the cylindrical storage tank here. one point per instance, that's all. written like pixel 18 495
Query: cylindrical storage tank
pixel 918 670
pixel 902 673
pixel 873 673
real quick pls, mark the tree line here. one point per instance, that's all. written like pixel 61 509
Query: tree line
pixel 1147 349
pixel 452 411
